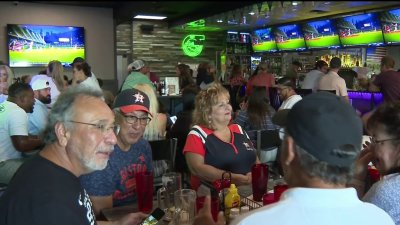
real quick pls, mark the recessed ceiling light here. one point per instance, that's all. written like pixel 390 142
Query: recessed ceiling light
pixel 252 13
pixel 147 17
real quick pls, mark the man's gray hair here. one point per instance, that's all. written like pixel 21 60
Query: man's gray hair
pixel 328 173
pixel 63 110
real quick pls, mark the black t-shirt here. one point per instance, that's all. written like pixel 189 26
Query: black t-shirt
pixel 43 193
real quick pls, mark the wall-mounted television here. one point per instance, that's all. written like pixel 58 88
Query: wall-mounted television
pixel 360 30
pixel 263 41
pixel 289 37
pixel 320 34
pixel 390 21
pixel 37 45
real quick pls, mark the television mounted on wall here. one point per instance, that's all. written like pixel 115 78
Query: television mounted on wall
pixel 289 37
pixel 360 30
pixel 320 34
pixel 37 45
pixel 263 41
pixel 390 21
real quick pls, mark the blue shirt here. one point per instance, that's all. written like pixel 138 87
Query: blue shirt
pixel 118 178
pixel 38 118
pixel 385 195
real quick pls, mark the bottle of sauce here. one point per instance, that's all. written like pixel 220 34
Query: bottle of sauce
pixel 232 200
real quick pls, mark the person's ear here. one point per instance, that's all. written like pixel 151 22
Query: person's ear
pixel 62 134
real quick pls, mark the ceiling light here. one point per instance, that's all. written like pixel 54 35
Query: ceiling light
pixel 295 3
pixel 252 13
pixel 147 17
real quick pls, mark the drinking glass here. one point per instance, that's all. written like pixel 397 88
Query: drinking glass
pixel 185 206
pixel 259 180
pixel 278 190
pixel 165 195
pixel 144 191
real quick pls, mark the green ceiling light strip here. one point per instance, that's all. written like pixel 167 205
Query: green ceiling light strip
pixel 193 44
pixel 197 23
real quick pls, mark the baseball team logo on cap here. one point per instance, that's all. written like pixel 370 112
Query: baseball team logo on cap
pixel 139 97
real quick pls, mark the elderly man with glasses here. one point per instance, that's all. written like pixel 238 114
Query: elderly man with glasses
pixel 80 136
pixel 115 185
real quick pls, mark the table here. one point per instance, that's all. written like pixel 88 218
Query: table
pixel 116 213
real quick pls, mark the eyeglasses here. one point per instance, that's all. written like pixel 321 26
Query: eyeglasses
pixel 134 119
pixel 374 141
pixel 103 128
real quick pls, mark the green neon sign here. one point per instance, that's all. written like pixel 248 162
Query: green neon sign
pixel 192 44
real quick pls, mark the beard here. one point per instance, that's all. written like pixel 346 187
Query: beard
pixel 45 99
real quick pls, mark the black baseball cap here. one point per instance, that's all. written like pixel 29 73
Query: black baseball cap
pixel 320 123
pixel 77 60
pixel 130 100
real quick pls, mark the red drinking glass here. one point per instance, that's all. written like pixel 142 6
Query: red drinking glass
pixel 214 205
pixel 259 180
pixel 278 190
pixel 144 191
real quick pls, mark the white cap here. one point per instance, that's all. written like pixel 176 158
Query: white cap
pixel 40 84
pixel 136 65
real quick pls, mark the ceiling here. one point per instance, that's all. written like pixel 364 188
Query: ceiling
pixel 232 15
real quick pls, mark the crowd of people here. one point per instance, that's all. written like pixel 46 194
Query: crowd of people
pixel 78 151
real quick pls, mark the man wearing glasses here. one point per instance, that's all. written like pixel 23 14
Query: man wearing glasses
pixel 287 93
pixel 80 137
pixel 115 185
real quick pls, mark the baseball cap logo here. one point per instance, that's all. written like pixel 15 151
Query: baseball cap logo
pixel 139 97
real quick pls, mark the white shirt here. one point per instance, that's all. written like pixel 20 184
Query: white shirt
pixel 332 81
pixel 314 206
pixel 91 83
pixel 38 119
pixel 311 80
pixel 54 92
pixel 289 103
pixel 13 121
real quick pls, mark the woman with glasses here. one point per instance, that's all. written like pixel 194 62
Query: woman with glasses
pixel 214 145
pixel 383 150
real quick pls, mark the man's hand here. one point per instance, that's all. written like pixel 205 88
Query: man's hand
pixel 204 217
pixel 132 219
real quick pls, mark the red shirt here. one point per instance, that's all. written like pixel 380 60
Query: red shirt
pixel 262 79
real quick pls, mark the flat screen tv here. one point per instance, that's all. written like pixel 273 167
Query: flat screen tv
pixel 262 40
pixel 320 34
pixel 37 45
pixel 360 30
pixel 289 37
pixel 390 21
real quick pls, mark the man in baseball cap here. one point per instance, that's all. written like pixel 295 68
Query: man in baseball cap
pixel 115 185
pixel 321 142
pixel 137 74
pixel 39 117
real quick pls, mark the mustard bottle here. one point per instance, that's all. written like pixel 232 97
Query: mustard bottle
pixel 232 200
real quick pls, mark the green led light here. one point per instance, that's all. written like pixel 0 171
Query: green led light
pixel 192 44
pixel 197 23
